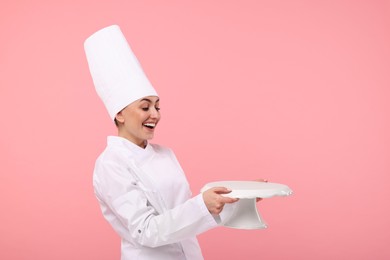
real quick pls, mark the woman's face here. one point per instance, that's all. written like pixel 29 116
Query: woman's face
pixel 137 121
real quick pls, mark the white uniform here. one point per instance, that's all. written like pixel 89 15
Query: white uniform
pixel 144 195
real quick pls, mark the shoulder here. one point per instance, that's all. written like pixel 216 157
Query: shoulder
pixel 111 173
pixel 111 162
pixel 110 155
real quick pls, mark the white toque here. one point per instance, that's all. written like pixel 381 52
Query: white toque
pixel 118 77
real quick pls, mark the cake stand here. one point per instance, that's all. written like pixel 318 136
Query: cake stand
pixel 244 214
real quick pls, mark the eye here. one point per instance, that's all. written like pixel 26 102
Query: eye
pixel 158 109
pixel 145 108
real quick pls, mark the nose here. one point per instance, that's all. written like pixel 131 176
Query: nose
pixel 154 113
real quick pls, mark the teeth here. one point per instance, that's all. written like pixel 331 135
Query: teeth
pixel 150 125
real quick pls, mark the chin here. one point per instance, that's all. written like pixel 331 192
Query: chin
pixel 150 137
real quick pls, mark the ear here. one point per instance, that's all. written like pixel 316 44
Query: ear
pixel 119 117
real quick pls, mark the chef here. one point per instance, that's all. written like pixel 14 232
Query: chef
pixel 141 188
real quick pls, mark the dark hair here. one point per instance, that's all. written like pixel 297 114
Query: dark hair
pixel 116 122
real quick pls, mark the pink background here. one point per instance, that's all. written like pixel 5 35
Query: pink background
pixel 293 91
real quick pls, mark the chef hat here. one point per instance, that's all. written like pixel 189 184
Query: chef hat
pixel 118 77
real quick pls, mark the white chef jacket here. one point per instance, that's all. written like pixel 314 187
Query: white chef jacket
pixel 144 195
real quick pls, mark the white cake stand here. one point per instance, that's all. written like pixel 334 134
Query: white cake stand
pixel 243 214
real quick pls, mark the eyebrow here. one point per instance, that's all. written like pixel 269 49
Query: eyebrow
pixel 148 100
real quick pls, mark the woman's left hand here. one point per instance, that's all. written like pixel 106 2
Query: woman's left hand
pixel 260 180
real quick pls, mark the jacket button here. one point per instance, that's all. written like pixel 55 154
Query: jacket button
pixel 139 231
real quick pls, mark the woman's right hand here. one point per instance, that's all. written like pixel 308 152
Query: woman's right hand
pixel 215 201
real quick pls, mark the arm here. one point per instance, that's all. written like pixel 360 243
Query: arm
pixel 125 205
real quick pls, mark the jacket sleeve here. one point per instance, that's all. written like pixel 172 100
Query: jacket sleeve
pixel 125 206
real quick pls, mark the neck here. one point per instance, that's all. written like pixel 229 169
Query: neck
pixel 140 143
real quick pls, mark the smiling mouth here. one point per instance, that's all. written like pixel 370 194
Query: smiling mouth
pixel 150 125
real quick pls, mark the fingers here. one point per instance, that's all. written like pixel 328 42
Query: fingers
pixel 224 190
pixel 220 204
pixel 221 190
pixel 229 200
pixel 217 209
pixel 260 180
pixel 215 201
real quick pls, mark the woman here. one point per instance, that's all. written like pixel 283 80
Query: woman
pixel 141 188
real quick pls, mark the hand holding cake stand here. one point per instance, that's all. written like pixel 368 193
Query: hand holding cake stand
pixel 243 214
